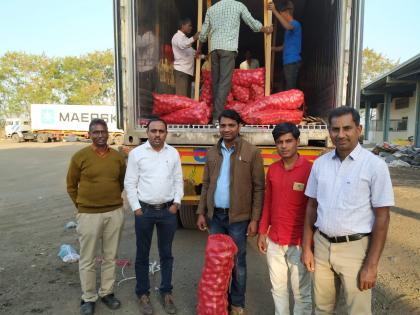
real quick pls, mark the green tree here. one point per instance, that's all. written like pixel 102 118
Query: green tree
pixel 374 64
pixel 29 79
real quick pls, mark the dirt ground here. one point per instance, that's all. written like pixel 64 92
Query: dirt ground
pixel 34 208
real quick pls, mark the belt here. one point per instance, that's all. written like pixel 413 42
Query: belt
pixel 221 210
pixel 158 206
pixel 345 238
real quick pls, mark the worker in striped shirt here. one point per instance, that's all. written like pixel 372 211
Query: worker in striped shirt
pixel 222 24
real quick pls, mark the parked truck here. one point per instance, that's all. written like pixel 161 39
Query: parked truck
pixel 329 76
pixel 54 122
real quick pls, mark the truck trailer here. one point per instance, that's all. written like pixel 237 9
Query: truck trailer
pixel 329 76
pixel 55 122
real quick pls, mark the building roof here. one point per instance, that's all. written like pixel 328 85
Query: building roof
pixel 400 80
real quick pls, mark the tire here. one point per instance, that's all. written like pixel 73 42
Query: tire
pixel 42 138
pixel 188 217
pixel 119 140
pixel 16 138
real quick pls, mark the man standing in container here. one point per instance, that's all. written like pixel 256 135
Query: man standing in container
pixel 292 44
pixel 281 225
pixel 154 187
pixel 183 57
pixel 95 180
pixel 232 197
pixel 222 23
pixel 347 217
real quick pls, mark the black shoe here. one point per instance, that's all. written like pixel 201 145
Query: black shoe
pixel 111 301
pixel 87 308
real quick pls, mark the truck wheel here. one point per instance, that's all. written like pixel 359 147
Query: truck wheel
pixel 119 140
pixel 188 217
pixel 42 138
pixel 16 138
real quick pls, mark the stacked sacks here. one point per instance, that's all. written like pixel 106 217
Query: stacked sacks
pixel 176 109
pixel 276 108
pixel 247 97
pixel 215 278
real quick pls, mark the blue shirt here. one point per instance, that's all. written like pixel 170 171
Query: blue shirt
pixel 222 193
pixel 292 44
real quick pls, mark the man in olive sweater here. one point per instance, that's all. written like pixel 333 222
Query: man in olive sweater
pixel 95 181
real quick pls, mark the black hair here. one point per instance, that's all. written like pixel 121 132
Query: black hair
pixel 156 119
pixel 231 114
pixel 344 110
pixel 285 128
pixel 286 5
pixel 97 121
pixel 183 21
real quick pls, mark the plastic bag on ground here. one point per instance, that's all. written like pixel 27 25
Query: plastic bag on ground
pixel 68 254
pixel 215 278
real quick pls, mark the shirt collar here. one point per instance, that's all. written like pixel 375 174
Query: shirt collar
pixel 297 164
pixel 353 155
pixel 181 33
pixel 149 146
pixel 99 151
pixel 231 149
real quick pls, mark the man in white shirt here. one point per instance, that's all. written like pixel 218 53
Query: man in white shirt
pixel 154 187
pixel 184 57
pixel 350 194
pixel 249 63
pixel 147 61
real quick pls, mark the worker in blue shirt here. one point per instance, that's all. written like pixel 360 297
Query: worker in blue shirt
pixel 292 44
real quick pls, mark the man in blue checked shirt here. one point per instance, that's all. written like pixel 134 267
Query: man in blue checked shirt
pixel 222 23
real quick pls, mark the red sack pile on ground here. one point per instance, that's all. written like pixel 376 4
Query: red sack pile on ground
pixel 215 278
pixel 175 109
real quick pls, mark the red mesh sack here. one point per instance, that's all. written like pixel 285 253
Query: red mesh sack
pixel 198 114
pixel 240 93
pixel 257 92
pixel 248 77
pixel 215 278
pixel 168 103
pixel 236 106
pixel 206 95
pixel 229 98
pixel 287 100
pixel 273 117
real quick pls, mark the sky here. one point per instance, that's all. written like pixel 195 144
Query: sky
pixel 75 27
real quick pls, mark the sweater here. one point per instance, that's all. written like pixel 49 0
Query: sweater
pixel 94 182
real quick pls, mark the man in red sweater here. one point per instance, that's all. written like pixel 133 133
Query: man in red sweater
pixel 281 225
